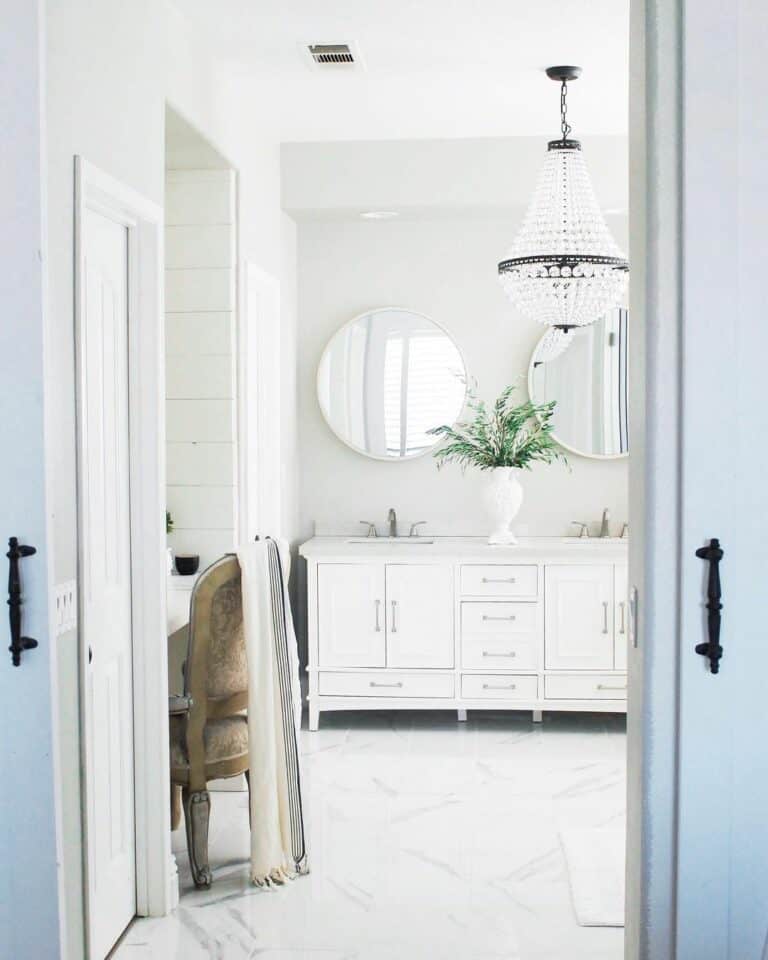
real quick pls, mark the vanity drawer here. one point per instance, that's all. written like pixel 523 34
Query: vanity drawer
pixel 499 580
pixel 502 636
pixel 586 687
pixel 498 687
pixel 495 617
pixel 374 683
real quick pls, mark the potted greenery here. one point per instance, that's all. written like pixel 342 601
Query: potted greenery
pixel 504 440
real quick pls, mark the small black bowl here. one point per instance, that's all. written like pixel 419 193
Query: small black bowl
pixel 186 563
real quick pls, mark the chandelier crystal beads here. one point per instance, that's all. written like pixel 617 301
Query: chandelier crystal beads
pixel 564 268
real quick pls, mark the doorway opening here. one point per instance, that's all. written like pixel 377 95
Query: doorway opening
pixel 120 572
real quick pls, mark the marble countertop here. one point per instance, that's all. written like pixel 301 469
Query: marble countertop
pixel 528 549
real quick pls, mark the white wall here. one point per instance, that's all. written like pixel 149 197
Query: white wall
pixel 111 68
pixel 446 269
pixel 200 257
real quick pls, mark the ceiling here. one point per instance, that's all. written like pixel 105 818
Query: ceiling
pixel 434 179
pixel 432 68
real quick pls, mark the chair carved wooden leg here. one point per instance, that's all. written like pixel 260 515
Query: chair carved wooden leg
pixel 175 806
pixel 197 811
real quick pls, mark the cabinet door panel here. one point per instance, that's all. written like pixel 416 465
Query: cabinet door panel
pixel 578 632
pixel 350 615
pixel 621 623
pixel 419 616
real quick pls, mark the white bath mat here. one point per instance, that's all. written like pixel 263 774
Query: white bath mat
pixel 595 859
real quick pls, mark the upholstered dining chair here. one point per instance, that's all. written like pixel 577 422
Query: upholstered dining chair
pixel 208 726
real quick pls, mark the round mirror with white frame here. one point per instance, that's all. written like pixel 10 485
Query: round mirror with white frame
pixel 386 378
pixel 584 370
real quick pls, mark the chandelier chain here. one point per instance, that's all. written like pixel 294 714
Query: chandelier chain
pixel 565 127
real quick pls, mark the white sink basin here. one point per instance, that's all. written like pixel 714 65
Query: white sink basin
pixel 594 540
pixel 392 541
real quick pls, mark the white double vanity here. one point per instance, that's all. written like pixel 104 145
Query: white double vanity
pixel 453 623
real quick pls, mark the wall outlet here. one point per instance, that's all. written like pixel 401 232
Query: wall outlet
pixel 65 606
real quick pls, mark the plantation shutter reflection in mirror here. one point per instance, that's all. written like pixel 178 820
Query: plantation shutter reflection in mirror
pixel 388 377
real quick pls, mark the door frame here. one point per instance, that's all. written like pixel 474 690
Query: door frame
pixel 259 474
pixel 656 238
pixel 156 881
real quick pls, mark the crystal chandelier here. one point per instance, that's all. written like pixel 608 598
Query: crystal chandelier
pixel 564 268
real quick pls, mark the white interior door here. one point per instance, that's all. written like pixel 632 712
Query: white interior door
pixel 698 764
pixel 351 615
pixel 31 898
pixel 419 616
pixel 106 581
pixel 578 618
pixel 723 761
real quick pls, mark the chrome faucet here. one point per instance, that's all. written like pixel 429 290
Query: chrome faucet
pixel 604 528
pixel 392 519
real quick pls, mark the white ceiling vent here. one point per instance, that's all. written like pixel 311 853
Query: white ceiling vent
pixel 331 56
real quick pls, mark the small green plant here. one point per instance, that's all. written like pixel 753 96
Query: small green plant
pixel 507 435
pixel 168 522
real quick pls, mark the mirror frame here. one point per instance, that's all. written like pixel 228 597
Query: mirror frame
pixel 560 443
pixel 326 348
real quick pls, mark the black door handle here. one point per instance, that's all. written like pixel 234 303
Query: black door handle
pixel 18 643
pixel 712 648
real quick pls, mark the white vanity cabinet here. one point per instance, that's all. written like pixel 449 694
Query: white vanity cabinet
pixel 456 623
pixel 385 615
pixel 351 615
pixel 420 616
pixel 578 612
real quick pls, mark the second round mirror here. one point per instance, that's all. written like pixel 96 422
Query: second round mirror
pixel 585 372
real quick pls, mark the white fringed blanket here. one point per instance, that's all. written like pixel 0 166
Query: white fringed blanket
pixel 278 847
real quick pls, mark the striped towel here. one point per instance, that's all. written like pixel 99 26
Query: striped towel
pixel 278 849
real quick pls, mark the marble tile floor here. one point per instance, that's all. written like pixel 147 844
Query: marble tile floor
pixel 429 840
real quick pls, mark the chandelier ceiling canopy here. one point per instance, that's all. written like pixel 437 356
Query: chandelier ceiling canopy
pixel 564 268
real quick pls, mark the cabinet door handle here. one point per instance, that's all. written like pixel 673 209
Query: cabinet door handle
pixel 373 683
pixel 394 621
pixel 489 653
pixel 605 616
pixel 607 686
pixel 378 622
pixel 511 617
pixel 499 580
pixel 622 625
pixel 499 686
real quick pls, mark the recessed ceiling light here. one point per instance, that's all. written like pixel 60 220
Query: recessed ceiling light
pixel 379 214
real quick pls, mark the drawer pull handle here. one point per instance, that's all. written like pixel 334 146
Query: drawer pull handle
pixel 511 617
pixel 622 625
pixel 394 623
pixel 499 686
pixel 378 622
pixel 605 616
pixel 499 580
pixel 607 686
pixel 489 653
pixel 373 683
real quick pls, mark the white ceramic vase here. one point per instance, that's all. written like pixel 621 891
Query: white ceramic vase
pixel 503 499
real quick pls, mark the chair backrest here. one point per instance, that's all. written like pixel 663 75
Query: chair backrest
pixel 216 670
